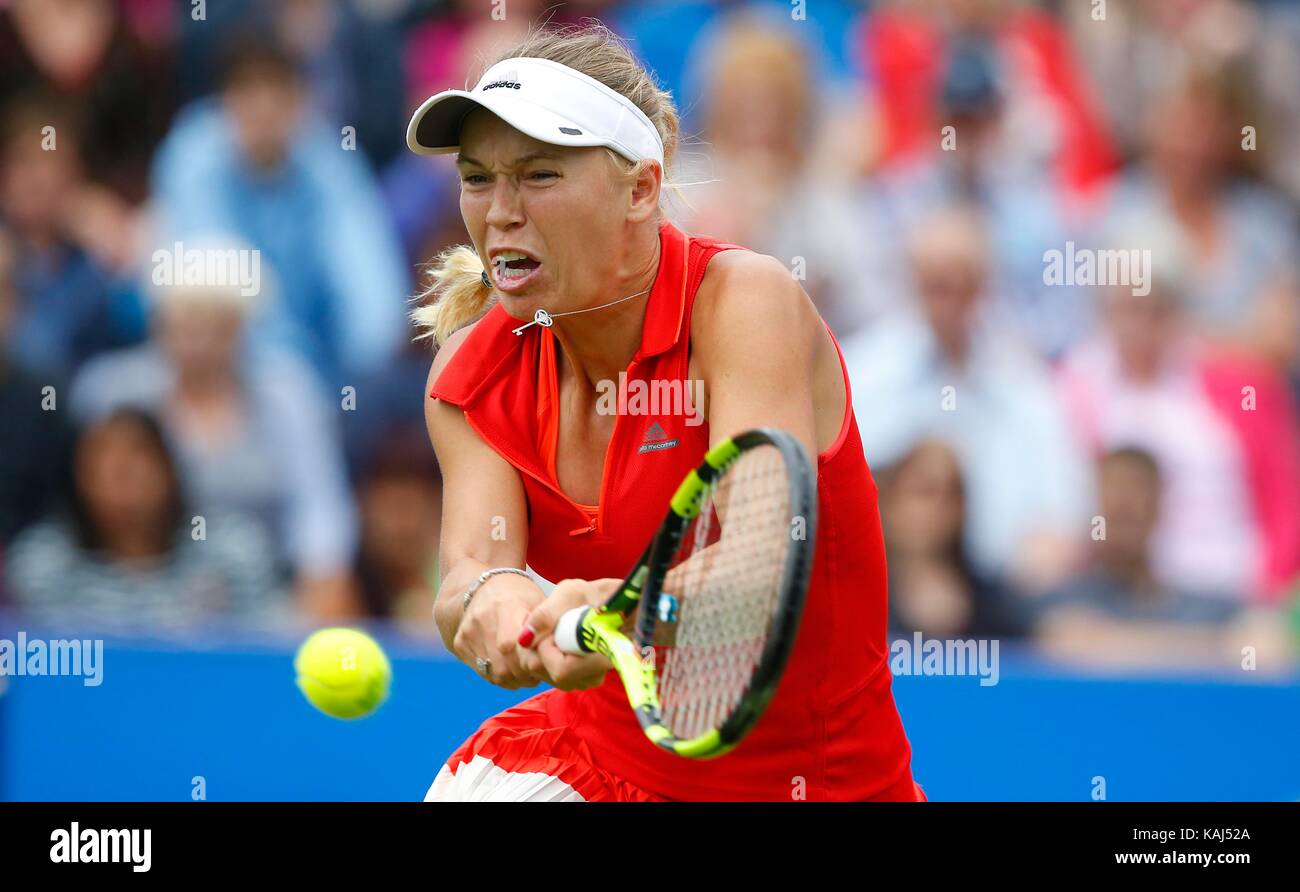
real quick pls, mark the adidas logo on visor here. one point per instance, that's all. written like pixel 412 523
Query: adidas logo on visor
pixel 509 80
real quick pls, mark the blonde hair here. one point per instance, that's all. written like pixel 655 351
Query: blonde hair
pixel 457 294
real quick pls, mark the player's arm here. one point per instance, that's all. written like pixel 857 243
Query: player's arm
pixel 484 525
pixel 759 345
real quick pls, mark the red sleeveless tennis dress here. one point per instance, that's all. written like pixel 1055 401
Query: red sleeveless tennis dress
pixel 832 732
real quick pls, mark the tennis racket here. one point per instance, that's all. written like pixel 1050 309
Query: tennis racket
pixel 713 606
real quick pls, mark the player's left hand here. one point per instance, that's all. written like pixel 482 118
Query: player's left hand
pixel 537 649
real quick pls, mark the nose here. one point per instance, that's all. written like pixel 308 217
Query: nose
pixel 505 209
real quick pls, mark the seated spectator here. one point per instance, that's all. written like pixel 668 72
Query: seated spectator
pixel 937 369
pixel 762 181
pixel 975 153
pixel 932 587
pixel 1222 429
pixel 256 163
pixel 667 36
pixel 1051 122
pixel 252 431
pixel 129 552
pixel 1116 611
pixel 85 53
pixel 352 62
pixel 1241 244
pixel 1144 47
pixel 349 53
pixel 400 499
pixel 34 437
pixel 70 305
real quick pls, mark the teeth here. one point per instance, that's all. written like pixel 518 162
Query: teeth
pixel 504 272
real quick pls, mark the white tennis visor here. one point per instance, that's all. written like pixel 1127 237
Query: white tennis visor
pixel 548 101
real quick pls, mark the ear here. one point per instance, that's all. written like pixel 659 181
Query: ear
pixel 645 193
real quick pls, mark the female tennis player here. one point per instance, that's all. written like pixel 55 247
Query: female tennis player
pixel 576 283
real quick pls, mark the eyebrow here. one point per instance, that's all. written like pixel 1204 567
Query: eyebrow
pixel 522 159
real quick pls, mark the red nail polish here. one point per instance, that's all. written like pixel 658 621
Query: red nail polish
pixel 526 636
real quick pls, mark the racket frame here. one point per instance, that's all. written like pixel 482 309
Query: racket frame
pixel 599 630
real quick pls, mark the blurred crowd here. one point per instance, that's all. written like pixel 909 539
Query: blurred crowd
pixel 1106 466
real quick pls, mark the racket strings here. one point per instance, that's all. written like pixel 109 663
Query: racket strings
pixel 727 578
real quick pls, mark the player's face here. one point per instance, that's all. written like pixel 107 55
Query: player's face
pixel 564 209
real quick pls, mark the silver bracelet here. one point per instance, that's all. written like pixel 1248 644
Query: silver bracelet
pixel 484 577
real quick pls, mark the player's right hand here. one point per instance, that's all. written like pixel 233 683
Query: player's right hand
pixel 490 627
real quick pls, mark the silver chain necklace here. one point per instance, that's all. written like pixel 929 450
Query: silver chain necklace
pixel 546 320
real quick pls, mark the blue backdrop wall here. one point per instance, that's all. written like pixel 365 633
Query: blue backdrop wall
pixel 229 713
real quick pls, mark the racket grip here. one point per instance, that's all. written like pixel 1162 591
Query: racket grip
pixel 567 638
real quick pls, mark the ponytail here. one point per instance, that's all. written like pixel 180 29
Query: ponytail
pixel 456 295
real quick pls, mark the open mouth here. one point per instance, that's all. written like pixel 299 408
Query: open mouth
pixel 510 269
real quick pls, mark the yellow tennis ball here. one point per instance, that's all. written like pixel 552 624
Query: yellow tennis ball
pixel 343 672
